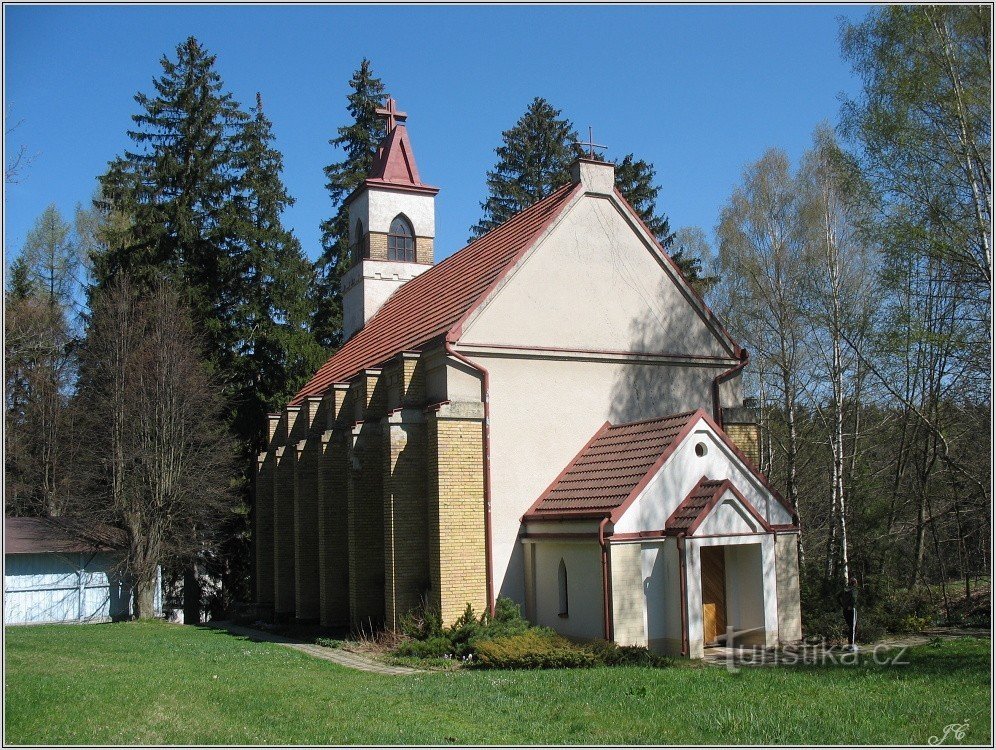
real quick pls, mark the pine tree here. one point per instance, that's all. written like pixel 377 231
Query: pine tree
pixel 359 141
pixel 635 180
pixel 177 188
pixel 198 203
pixel 19 284
pixel 533 161
pixel 277 351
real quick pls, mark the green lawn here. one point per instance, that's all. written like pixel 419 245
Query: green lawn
pixel 152 683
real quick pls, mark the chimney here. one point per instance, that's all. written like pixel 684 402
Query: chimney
pixel 596 176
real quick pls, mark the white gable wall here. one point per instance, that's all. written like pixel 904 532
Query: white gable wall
pixel 683 470
pixel 594 283
pixel 729 517
pixel 589 296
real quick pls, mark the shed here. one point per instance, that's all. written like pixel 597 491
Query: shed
pixel 57 570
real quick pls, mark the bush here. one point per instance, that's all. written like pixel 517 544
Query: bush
pixel 533 649
pixel 432 648
pixel 421 624
pixel 612 655
pixel 328 642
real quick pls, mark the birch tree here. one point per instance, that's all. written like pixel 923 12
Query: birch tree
pixel 763 263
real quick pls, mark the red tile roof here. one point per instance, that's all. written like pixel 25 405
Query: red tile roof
pixel 693 506
pixel 612 467
pixel 701 500
pixel 431 304
pixel 29 535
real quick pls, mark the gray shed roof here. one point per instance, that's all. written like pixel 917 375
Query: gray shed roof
pixel 23 536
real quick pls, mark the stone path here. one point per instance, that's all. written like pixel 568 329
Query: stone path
pixel 345 658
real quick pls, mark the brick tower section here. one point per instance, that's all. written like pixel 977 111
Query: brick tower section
pixel 333 540
pixel 283 530
pixel 365 505
pixel 264 534
pixel 455 488
pixel 406 558
pixel 307 469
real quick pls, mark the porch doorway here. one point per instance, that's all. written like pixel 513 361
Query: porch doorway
pixel 713 595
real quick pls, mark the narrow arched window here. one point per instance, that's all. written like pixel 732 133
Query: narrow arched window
pixel 562 585
pixel 358 245
pixel 401 240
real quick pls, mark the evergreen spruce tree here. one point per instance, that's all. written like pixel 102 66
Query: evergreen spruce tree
pixel 533 161
pixel 359 141
pixel 198 203
pixel 277 352
pixel 635 180
pixel 19 284
pixel 177 187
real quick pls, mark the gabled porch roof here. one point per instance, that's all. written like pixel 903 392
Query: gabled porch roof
pixel 701 501
pixel 612 469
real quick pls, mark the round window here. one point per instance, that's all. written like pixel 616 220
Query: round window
pixel 701 449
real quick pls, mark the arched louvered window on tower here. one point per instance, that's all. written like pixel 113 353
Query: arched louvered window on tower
pixel 358 247
pixel 401 240
pixel 562 586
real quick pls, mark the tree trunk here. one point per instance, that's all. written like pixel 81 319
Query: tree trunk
pixel 145 597
pixel 191 597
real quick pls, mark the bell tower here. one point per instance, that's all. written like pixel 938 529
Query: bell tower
pixel 392 221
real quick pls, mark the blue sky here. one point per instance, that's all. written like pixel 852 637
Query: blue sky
pixel 698 91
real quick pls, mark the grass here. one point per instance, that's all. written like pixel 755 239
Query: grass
pixel 154 683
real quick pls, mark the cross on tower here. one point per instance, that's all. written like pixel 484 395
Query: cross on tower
pixel 392 114
pixel 591 145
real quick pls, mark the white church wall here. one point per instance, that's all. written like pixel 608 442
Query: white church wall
pixel 542 412
pixel 661 589
pixel 683 470
pixel 583 562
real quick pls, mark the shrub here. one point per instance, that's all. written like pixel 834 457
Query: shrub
pixel 432 648
pixel 421 624
pixel 533 649
pixel 611 654
pixel 328 642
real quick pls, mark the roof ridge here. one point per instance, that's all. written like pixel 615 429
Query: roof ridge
pixel 655 419
pixel 514 217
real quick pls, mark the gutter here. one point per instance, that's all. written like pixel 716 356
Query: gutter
pixel 717 410
pixel 486 398
pixel 606 581
pixel 683 586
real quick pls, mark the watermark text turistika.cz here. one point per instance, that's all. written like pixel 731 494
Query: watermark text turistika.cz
pixel 812 653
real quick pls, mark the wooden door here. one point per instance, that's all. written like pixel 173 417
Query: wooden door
pixel 713 593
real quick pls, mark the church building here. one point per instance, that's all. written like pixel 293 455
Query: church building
pixel 550 414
